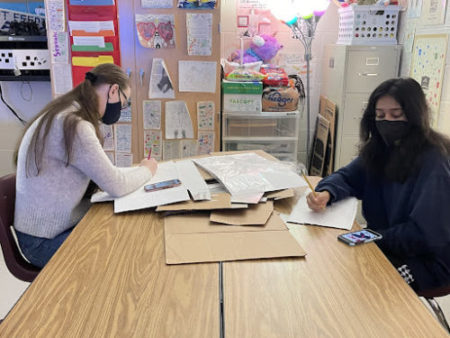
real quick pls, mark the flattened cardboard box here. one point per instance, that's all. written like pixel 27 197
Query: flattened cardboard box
pixel 193 239
pixel 257 214
pixel 218 201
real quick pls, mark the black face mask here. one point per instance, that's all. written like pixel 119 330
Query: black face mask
pixel 392 131
pixel 112 112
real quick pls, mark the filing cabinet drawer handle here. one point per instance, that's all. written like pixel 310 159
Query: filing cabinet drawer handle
pixel 368 74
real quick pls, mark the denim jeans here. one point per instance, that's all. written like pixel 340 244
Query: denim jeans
pixel 39 250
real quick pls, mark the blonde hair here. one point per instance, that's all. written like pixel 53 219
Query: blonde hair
pixel 86 97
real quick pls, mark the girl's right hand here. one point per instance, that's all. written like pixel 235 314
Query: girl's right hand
pixel 318 202
pixel 150 164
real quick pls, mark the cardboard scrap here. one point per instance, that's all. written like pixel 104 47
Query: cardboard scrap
pixel 218 201
pixel 256 214
pixel 192 239
pixel 280 194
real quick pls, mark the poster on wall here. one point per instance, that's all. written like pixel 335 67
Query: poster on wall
pixel 427 68
pixel 414 9
pixel 156 31
pixel 433 12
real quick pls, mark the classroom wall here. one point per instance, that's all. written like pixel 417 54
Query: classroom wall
pixel 27 99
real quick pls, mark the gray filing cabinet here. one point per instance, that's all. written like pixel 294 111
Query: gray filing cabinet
pixel 349 75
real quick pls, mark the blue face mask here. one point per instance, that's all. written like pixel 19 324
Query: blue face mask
pixel 112 111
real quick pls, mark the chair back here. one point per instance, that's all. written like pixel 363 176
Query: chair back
pixel 14 260
pixel 438 292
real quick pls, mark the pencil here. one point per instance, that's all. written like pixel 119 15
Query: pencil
pixel 309 184
pixel 149 153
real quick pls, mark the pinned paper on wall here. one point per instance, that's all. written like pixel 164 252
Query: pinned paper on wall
pixel 59 47
pixel 122 134
pixel 433 12
pixel 111 156
pixel 160 86
pixel 125 114
pixel 205 142
pixel 156 3
pixel 197 76
pixel 205 115
pixel 427 68
pixel 124 160
pixel 188 148
pixel 199 33
pixel 153 140
pixel 108 137
pixel 55 15
pixel 414 8
pixel 178 120
pixel 156 31
pixel 152 114
pixel 171 149
pixel 63 82
pixel 196 4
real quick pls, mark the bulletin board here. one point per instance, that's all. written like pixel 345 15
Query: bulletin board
pixel 427 68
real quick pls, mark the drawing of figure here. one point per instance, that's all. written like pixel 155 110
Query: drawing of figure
pixel 164 84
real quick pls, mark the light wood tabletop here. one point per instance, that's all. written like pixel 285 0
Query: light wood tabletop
pixel 335 291
pixel 109 279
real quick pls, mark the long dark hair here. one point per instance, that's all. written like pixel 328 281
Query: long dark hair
pixel 401 161
pixel 85 96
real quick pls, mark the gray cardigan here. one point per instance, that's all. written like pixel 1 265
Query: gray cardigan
pixel 51 202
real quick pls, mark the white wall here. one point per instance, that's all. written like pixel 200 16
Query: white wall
pixel 27 99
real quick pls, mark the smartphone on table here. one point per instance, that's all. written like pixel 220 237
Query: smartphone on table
pixel 359 237
pixel 162 185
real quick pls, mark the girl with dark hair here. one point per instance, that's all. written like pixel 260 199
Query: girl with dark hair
pixel 402 176
pixel 60 152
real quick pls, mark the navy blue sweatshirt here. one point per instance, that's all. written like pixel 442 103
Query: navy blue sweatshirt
pixel 413 217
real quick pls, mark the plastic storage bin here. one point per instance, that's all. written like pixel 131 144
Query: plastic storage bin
pixel 242 97
pixel 368 25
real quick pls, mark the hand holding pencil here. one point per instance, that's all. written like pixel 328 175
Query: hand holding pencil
pixel 150 163
pixel 317 201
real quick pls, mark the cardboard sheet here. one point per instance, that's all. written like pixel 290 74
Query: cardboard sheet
pixel 191 239
pixel 257 214
pixel 281 194
pixel 218 201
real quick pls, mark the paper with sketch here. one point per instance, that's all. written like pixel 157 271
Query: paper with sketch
pixel 123 137
pixel 108 136
pixel 199 33
pixel 160 86
pixel 156 31
pixel 197 76
pixel 205 115
pixel 153 140
pixel 338 215
pixel 171 149
pixel 178 120
pixel 205 142
pixel 141 199
pixel 124 160
pixel 156 3
pixel 62 78
pixel 191 178
pixel 55 15
pixel 152 114
pixel 250 174
pixel 188 148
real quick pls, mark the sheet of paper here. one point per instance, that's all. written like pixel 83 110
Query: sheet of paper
pixel 250 174
pixel 153 140
pixel 108 137
pixel 171 149
pixel 59 47
pixel 126 114
pixel 191 178
pixel 122 134
pixel 156 31
pixel 338 215
pixel 178 120
pixel 140 199
pixel 188 148
pixel 199 33
pixel 62 82
pixel 90 27
pixel 160 86
pixel 124 159
pixel 156 3
pixel 111 156
pixel 197 76
pixel 205 115
pixel 205 142
pixel 55 15
pixel 152 114
pixel 98 41
pixel 433 12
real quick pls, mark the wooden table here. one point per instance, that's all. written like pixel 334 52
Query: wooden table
pixel 109 279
